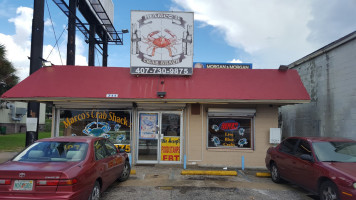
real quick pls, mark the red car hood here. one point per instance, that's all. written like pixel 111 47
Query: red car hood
pixel 12 169
pixel 344 168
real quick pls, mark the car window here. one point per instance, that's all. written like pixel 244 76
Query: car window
pixel 100 150
pixel 112 150
pixel 335 151
pixel 303 148
pixel 288 145
pixel 53 151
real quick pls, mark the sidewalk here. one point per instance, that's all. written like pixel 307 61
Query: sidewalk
pixel 167 182
pixel 5 156
pixel 175 175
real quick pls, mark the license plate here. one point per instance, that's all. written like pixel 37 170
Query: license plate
pixel 25 185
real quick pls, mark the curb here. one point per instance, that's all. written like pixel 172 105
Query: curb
pixel 263 174
pixel 216 173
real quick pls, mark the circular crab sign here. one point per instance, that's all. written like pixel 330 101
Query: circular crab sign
pixel 161 43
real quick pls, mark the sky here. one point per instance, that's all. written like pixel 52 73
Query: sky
pixel 266 33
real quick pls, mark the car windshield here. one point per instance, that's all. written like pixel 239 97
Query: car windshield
pixel 53 152
pixel 335 151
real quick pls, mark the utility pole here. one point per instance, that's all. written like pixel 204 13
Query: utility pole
pixel 73 4
pixel 91 52
pixel 33 108
pixel 105 50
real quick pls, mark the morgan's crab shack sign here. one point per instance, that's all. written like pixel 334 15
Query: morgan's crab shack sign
pixel 162 43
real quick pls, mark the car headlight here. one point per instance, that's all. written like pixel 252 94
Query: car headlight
pixel 354 185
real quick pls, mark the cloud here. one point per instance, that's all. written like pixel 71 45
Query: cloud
pixel 274 32
pixel 235 61
pixel 18 46
pixel 331 20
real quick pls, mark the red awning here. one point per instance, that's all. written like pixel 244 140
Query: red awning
pixel 205 85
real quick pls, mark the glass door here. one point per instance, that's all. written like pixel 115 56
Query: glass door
pixel 159 136
pixel 148 134
pixel 170 145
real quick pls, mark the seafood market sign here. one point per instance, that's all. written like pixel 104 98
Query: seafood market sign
pixel 162 43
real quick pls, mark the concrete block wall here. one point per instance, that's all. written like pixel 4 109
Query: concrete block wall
pixel 330 80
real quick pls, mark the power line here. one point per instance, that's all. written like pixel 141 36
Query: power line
pixel 55 36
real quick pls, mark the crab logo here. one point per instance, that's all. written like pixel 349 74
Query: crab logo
pixel 216 141
pixel 241 131
pixel 97 129
pixel 156 40
pixel 242 142
pixel 120 138
pixel 161 39
pixel 117 127
pixel 215 127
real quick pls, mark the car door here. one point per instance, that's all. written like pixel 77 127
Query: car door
pixel 284 158
pixel 104 161
pixel 304 173
pixel 117 160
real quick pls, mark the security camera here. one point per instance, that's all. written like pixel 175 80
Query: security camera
pixel 161 94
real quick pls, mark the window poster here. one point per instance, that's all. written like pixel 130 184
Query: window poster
pixel 112 124
pixel 229 133
pixel 148 125
pixel 170 149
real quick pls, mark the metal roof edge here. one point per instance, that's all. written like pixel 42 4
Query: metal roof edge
pixel 161 100
pixel 329 47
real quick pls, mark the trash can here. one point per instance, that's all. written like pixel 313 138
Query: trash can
pixel 2 130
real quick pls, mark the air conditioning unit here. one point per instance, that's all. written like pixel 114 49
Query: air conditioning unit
pixel 275 135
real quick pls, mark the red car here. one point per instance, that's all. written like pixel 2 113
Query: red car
pixel 63 168
pixel 324 166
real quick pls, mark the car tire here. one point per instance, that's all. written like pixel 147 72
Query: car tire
pixel 275 176
pixel 95 193
pixel 125 172
pixel 328 191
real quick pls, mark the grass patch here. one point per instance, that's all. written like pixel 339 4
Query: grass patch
pixel 16 142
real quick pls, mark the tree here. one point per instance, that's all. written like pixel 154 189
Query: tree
pixel 8 78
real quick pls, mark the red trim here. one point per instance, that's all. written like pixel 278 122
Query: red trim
pixel 204 84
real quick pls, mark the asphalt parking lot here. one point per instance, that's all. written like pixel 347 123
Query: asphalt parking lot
pixel 166 182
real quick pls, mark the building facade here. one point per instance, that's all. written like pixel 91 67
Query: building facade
pixel 215 117
pixel 329 75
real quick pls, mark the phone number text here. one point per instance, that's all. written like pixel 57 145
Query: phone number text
pixel 162 70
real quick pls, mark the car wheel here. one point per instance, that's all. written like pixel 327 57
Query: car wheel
pixel 275 173
pixel 328 191
pixel 125 172
pixel 95 193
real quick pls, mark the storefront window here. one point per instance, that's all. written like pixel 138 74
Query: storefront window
pixel 230 132
pixel 112 124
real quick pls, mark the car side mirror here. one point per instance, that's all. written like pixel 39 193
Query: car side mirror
pixel 307 157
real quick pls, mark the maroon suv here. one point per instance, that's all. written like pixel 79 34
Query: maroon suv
pixel 325 166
